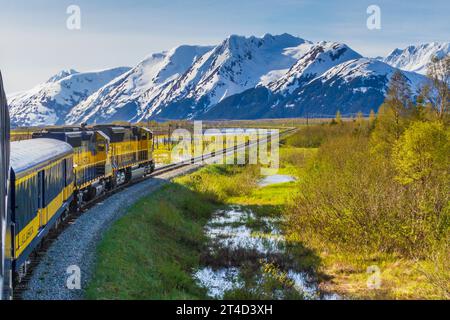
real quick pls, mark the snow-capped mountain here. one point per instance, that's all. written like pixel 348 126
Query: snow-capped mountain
pixel 318 59
pixel 352 86
pixel 241 78
pixel 187 80
pixel 237 64
pixel 132 95
pixel 48 103
pixel 417 57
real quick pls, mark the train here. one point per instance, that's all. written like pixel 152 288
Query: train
pixel 59 170
pixel 5 267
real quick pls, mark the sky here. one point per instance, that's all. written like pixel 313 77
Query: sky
pixel 35 42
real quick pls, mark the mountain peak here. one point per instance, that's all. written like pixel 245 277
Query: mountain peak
pixel 268 40
pixel 417 57
pixel 62 74
pixel 319 58
pixel 284 37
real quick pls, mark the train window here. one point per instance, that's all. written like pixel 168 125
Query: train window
pixel 54 182
pixel 69 171
pixel 26 201
pixel 64 171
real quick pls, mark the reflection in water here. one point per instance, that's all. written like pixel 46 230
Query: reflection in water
pixel 274 179
pixel 238 237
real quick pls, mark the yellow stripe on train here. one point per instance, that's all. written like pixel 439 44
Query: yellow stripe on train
pixel 44 215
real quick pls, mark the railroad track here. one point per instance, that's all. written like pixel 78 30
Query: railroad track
pixel 72 216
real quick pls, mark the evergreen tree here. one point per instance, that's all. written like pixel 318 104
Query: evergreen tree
pixel 359 121
pixel 372 116
pixel 359 117
pixel 338 117
pixel 372 119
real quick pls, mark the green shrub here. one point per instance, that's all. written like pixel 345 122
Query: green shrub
pixel 313 136
pixel 354 202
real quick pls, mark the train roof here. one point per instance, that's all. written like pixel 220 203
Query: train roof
pixel 31 155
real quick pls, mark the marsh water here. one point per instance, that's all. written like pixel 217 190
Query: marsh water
pixel 275 179
pixel 248 256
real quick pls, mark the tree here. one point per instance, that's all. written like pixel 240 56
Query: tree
pixel 437 91
pixel 399 99
pixel 359 117
pixel 422 110
pixel 422 152
pixel 393 115
pixel 360 122
pixel 372 116
pixel 338 117
pixel 372 119
pixel 399 92
pixel 384 135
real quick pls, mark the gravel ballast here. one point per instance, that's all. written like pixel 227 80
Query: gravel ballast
pixel 76 245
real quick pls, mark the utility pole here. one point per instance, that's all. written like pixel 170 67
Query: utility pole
pixel 169 140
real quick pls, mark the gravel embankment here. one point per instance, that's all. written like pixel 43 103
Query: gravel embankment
pixel 77 243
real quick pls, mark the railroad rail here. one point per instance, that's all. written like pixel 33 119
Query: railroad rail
pixel 72 216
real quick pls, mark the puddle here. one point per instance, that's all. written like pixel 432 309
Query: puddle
pixel 248 253
pixel 218 281
pixel 275 179
pixel 228 229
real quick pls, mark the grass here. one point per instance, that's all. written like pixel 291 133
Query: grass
pixel 400 278
pixel 344 270
pixel 152 251
pixel 149 253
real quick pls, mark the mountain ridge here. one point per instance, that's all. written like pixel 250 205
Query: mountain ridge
pixel 48 103
pixel 269 76
pixel 415 58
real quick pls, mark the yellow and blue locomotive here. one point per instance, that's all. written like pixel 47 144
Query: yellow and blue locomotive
pixel 105 156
